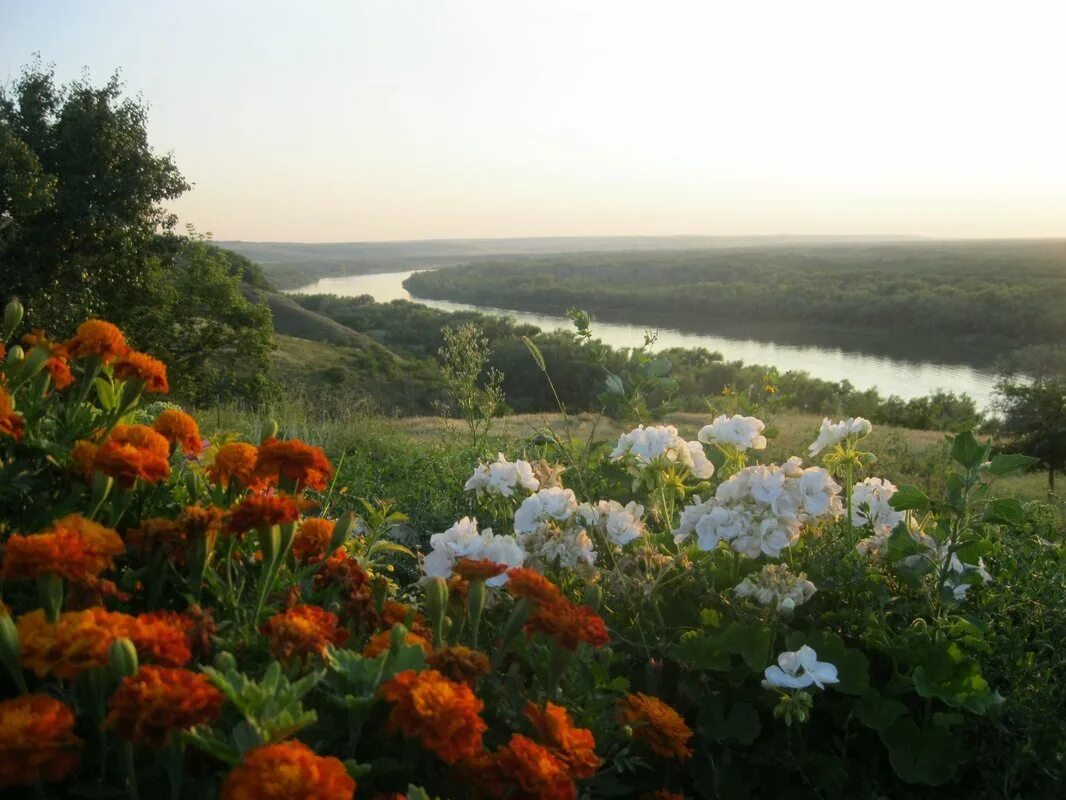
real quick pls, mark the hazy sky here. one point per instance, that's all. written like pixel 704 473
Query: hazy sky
pixel 405 119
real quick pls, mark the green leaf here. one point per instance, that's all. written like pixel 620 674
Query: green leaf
pixel 929 756
pixel 1006 463
pixel 910 498
pixel 614 385
pixel 967 451
pixel 877 711
pixel 742 723
pixel 750 641
pixel 1005 511
pixel 702 652
pixel 946 673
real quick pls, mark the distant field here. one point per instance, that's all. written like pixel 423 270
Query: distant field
pixel 290 265
pixel 991 297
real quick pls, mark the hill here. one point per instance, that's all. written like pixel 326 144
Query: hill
pixel 290 265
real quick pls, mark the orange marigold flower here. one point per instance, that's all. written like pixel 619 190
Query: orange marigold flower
pixel 529 584
pixel 148 706
pixel 235 463
pixel 133 364
pixel 301 631
pixel 287 771
pixel 162 637
pixel 312 539
pixel 443 714
pixel 73 548
pixel 478 569
pixel 460 663
pixel 131 452
pixel 97 338
pixel 37 741
pixel 11 422
pixel 83 457
pixel 533 772
pixel 181 430
pixel 76 642
pixel 293 460
pixel 393 613
pixel 174 537
pixel 342 571
pixel 656 724
pixel 568 624
pixel 575 746
pixel 382 641
pixel 263 511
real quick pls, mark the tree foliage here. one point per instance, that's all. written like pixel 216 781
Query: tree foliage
pixel 85 232
pixel 1034 417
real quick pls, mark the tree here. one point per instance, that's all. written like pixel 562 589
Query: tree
pixel 84 232
pixel 1034 417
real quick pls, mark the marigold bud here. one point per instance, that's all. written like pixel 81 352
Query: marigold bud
pixel 122 658
pixel 13 313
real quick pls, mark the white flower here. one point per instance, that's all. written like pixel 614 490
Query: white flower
pixel 698 462
pixel 741 433
pixel 661 445
pixel 798 670
pixel 833 432
pixel 620 524
pixel 816 491
pixel 761 510
pixel 502 477
pixel 553 503
pixel 870 506
pixel 777 584
pixel 690 516
pixel 463 540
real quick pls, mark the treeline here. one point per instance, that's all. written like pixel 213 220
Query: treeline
pixel 991 297
pixel 415 332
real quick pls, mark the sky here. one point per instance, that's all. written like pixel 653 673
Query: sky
pixel 364 120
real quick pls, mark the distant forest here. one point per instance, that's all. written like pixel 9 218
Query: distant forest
pixel 991 297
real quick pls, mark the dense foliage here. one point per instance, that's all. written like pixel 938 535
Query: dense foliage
pixel 84 231
pixel 579 368
pixel 652 618
pixel 977 299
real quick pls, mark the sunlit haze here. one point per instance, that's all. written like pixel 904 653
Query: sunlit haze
pixel 408 119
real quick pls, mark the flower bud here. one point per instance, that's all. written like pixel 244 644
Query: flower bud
pixel 397 638
pixel 16 354
pixel 13 313
pixel 225 662
pixel 342 530
pixel 268 430
pixel 593 596
pixel 10 649
pixel 436 606
pixel 122 658
pixel 788 604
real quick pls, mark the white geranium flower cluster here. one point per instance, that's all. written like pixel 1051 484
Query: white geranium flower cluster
pixel 776 584
pixel 620 524
pixel 870 506
pixel 463 540
pixel 799 669
pixel 832 433
pixel 502 477
pixel 761 510
pixel 660 445
pixel 551 531
pixel 737 432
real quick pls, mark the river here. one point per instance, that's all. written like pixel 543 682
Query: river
pixel 905 378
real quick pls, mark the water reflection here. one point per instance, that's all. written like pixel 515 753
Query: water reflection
pixel 889 376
